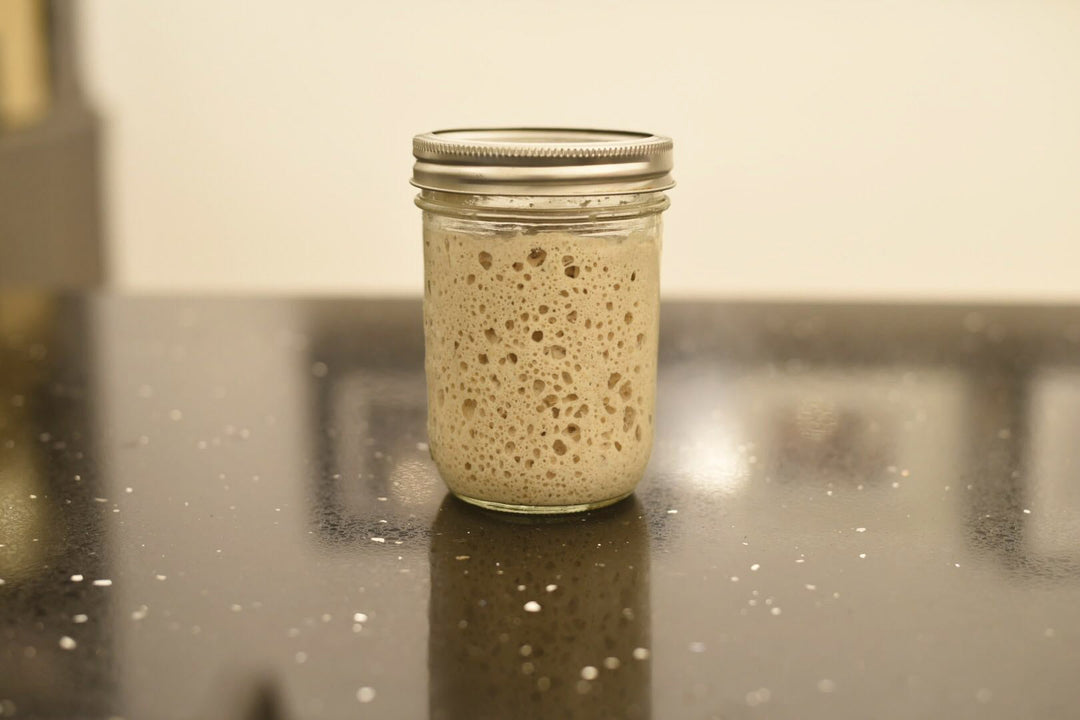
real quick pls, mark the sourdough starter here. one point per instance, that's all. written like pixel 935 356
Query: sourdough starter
pixel 541 363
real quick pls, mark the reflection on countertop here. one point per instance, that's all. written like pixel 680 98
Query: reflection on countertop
pixel 226 508
pixel 539 617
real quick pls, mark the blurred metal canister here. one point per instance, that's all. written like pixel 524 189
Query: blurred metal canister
pixel 50 197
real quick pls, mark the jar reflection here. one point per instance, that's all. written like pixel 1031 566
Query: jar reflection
pixel 539 617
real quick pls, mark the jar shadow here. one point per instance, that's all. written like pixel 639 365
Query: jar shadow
pixel 539 616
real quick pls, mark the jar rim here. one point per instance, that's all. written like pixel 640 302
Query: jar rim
pixel 542 161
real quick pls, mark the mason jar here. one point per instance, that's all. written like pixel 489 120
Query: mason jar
pixel 541 311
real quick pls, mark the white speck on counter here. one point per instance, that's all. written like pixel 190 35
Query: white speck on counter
pixel 758 697
pixel 76 578
pixel 141 612
pixel 862 556
pixel 79 619
pixel 129 490
pixel 462 557
pixel 755 567
pixel 810 587
pixel 673 511
pixel 525 650
pixel 552 587
pixel 67 643
pixel 641 653
pixel 589 673
pixel 697 647
pixel 359 617
pixel 826 685
pixel 612 663
pixel 159 576
pixel 101 500
pixel 775 611
pixel 378 539
pixel 734 578
pixel 860 529
pixel 532 606
pixel 236 607
pixel 1027 511
pixel 365 694
pixel 895 484
pixel 104 582
pixel 521 588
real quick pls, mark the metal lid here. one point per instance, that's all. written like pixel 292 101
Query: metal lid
pixel 542 161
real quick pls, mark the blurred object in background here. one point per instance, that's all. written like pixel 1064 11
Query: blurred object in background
pixel 50 217
pixel 24 70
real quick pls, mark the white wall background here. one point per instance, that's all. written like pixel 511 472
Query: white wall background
pixel 826 148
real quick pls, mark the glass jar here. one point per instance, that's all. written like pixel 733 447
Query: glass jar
pixel 541 311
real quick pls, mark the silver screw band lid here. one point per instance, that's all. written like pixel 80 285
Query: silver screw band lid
pixel 542 161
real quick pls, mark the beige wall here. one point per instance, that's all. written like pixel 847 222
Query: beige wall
pixel 832 149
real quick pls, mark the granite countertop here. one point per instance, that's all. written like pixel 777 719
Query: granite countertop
pixel 224 508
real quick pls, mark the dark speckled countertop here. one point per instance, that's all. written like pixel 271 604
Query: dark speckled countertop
pixel 226 509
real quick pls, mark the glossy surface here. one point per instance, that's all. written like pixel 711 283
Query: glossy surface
pixel 850 512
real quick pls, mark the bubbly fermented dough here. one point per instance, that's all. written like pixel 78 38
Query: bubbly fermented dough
pixel 541 363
